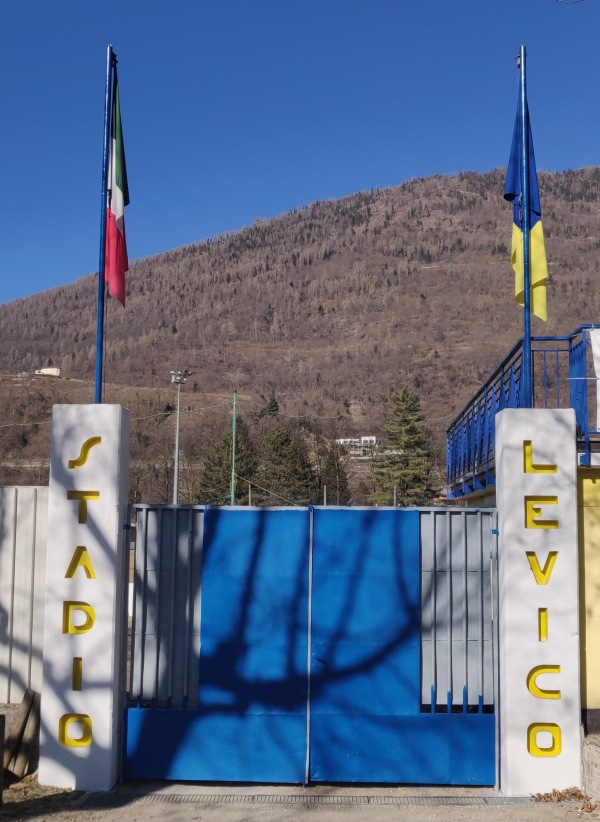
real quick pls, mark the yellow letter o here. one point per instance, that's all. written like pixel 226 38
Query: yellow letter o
pixel 86 731
pixel 551 728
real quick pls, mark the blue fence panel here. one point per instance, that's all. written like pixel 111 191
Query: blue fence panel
pixel 365 670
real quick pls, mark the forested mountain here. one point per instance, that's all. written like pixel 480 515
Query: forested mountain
pixel 332 306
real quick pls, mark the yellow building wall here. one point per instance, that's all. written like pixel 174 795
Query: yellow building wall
pixel 588 501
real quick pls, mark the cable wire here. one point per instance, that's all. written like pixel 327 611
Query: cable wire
pixel 272 493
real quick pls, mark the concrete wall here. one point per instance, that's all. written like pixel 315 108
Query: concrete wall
pixel 23 518
pixel 590 759
pixel 588 501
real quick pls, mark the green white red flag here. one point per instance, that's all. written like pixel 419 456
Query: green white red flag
pixel 116 263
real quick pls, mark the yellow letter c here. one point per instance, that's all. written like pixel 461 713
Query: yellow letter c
pixel 534 688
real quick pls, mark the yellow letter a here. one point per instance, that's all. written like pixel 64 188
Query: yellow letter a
pixel 81 558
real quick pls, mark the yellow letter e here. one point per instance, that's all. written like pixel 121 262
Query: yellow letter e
pixel 533 512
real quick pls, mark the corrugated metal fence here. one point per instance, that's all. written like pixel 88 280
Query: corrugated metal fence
pixel 458 590
pixel 457 558
pixel 23 519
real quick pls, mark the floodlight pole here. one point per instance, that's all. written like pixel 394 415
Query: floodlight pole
pixel 178 377
pixel 233 432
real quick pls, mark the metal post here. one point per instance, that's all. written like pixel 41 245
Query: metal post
pixel 526 382
pixel 103 202
pixel 233 425
pixel 324 495
pixel 176 472
pixel 177 377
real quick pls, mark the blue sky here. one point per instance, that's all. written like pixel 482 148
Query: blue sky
pixel 239 109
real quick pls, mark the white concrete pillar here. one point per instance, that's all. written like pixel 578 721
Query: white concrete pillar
pixel 540 714
pixel 81 710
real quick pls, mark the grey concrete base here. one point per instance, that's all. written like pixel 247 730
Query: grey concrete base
pixel 590 757
pixel 590 719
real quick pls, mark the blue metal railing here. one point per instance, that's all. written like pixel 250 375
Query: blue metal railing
pixel 562 370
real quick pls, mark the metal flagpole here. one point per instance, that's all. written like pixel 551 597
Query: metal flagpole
pixel 110 61
pixel 526 370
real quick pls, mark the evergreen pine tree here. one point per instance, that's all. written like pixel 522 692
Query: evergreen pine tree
pixel 272 407
pixel 284 469
pixel 334 475
pixel 215 482
pixel 406 460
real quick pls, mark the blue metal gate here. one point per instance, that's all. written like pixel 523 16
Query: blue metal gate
pixel 298 645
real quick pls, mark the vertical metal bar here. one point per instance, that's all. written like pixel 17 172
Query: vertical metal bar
pixel 176 455
pixel 189 612
pixel 145 598
pixel 131 631
pixel 434 683
pixel 171 656
pixel 141 561
pixel 533 373
pixel 101 264
pixel 480 576
pixel 126 636
pixel 158 589
pixel 449 459
pixel 449 615
pixel 233 435
pixel 495 640
pixel 309 642
pixel 465 610
pixel 584 385
pixel 198 617
pixel 527 393
pixel 134 617
pixel 557 378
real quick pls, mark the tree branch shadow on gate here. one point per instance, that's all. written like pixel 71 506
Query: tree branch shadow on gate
pixel 253 659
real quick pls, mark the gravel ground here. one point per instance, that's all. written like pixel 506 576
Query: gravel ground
pixel 172 802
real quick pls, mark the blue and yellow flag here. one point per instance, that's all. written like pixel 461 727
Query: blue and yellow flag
pixel 538 269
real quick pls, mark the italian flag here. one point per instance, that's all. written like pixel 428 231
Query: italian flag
pixel 115 261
